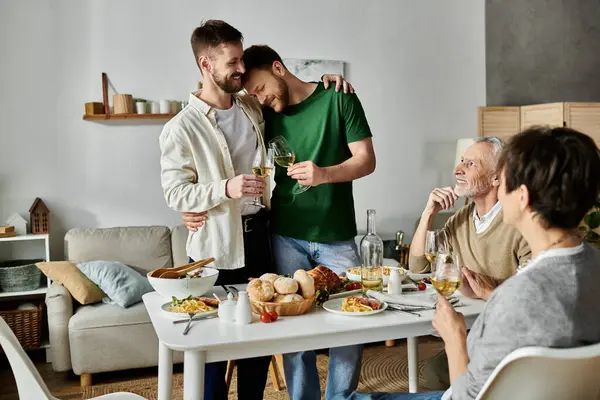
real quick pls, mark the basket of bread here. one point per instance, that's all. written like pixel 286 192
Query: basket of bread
pixel 290 295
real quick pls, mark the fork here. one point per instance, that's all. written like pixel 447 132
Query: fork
pixel 189 324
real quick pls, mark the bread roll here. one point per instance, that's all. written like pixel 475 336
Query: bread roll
pixel 287 298
pixel 269 277
pixel 285 285
pixel 259 290
pixel 306 282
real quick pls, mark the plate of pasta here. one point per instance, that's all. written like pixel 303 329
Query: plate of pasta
pixel 355 306
pixel 195 305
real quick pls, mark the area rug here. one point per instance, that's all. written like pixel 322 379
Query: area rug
pixel 383 370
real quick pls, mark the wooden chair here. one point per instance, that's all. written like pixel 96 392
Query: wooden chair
pixel 275 370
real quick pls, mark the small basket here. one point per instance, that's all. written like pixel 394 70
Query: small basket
pixel 283 309
pixel 19 275
pixel 26 325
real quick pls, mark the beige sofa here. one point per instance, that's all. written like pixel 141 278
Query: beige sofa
pixel 106 337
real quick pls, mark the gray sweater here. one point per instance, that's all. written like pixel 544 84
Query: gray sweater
pixel 551 303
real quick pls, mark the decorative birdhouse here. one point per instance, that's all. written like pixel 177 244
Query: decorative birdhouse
pixel 40 217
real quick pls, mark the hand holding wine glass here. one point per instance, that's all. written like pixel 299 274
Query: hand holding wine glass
pixel 262 165
pixel 285 157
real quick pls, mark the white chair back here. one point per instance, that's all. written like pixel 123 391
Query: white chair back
pixel 540 373
pixel 29 382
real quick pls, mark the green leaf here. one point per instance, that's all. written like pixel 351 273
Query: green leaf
pixel 583 228
pixel 593 219
pixel 592 237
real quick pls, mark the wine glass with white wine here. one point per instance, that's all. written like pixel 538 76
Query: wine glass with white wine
pixel 285 157
pixel 262 165
pixel 435 242
pixel 446 275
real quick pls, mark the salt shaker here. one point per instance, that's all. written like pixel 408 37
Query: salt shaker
pixel 227 309
pixel 243 312
pixel 395 282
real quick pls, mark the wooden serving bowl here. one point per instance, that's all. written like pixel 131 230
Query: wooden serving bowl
pixel 283 309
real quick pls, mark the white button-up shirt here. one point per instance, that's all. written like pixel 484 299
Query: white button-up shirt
pixel 195 166
pixel 483 222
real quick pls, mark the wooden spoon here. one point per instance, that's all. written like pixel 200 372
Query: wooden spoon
pixel 181 272
pixel 159 271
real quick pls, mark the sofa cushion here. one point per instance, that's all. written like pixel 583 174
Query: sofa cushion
pixel 123 285
pixel 103 315
pixel 106 337
pixel 67 274
pixel 142 248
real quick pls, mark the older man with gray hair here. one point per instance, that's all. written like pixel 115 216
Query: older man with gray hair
pixel 489 250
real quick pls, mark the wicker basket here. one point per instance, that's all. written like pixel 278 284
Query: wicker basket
pixel 19 275
pixel 26 325
pixel 283 309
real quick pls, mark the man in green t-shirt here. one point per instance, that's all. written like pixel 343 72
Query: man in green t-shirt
pixel 331 140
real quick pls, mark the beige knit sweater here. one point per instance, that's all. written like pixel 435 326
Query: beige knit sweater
pixel 496 252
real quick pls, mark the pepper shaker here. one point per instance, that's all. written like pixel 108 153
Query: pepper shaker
pixel 243 312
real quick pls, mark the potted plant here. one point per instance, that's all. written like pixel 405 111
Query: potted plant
pixel 140 106
pixel 591 224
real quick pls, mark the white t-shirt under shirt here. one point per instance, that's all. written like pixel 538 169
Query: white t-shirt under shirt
pixel 242 142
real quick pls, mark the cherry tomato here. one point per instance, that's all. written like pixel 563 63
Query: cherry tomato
pixel 273 315
pixel 353 286
pixel 265 317
pixel 422 286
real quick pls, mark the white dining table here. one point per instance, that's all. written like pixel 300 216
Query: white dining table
pixel 211 340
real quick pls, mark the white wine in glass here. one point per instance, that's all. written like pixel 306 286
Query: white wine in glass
pixel 285 157
pixel 262 165
pixel 446 276
pixel 431 248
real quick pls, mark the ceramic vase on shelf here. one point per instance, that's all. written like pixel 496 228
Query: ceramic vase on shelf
pixel 140 107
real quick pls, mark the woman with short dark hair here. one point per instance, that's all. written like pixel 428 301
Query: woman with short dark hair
pixel 550 178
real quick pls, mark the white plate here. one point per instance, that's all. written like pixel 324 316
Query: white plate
pixel 334 306
pixel 165 307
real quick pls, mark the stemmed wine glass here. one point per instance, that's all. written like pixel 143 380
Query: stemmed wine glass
pixel 285 157
pixel 435 242
pixel 262 165
pixel 446 275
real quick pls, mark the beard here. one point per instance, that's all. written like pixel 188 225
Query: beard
pixel 283 93
pixel 227 84
pixel 477 187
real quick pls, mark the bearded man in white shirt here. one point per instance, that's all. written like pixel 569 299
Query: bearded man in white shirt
pixel 206 172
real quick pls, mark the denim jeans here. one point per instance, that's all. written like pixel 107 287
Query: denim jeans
pixel 252 372
pixel 301 375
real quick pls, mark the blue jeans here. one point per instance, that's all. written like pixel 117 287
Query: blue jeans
pixel 396 396
pixel 301 375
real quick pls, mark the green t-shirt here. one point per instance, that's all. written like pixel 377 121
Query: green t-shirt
pixel 318 129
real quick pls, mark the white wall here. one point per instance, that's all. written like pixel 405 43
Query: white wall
pixel 418 67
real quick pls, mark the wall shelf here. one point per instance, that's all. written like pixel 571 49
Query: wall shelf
pixel 105 117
